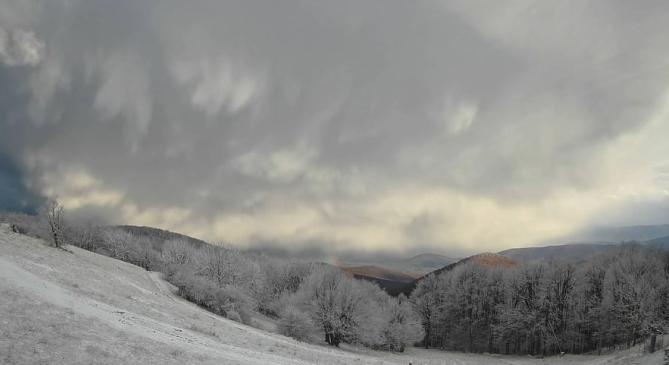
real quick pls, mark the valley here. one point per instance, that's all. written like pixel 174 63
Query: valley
pixel 72 306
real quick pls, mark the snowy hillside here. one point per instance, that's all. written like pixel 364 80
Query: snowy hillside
pixel 77 307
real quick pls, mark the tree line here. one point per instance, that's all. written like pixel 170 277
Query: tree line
pixel 616 299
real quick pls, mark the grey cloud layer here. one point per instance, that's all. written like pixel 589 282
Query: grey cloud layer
pixel 382 124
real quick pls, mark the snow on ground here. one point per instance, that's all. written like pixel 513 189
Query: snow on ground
pixel 77 307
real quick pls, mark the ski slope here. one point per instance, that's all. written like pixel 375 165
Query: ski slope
pixel 76 307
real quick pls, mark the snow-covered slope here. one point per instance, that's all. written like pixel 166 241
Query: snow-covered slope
pixel 77 307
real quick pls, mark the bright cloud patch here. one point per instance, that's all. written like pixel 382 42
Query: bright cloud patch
pixel 20 48
pixel 216 85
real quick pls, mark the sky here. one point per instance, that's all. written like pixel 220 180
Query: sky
pixel 376 126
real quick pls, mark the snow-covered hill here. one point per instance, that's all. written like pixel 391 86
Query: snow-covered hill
pixel 77 307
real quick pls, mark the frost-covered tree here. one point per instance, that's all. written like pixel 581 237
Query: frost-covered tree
pixel 402 326
pixel 465 305
pixel 281 278
pixel 631 293
pixel 332 302
pixel 344 309
pixel 558 311
pixel 143 254
pixel 118 243
pixel 83 234
pixel 295 323
pixel 177 252
pixel 425 301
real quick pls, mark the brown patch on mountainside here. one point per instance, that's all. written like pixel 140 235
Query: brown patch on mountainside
pixel 377 272
pixel 492 260
pixel 487 259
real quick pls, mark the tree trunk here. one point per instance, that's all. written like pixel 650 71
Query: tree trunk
pixel 55 238
pixel 653 340
pixel 336 339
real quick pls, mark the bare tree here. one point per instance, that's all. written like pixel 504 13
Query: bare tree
pixel 53 213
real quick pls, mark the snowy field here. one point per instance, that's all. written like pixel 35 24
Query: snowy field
pixel 77 307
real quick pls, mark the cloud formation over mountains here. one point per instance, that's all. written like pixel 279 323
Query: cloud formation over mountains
pixel 457 125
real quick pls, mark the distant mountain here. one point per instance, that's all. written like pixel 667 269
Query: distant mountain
pixel 378 272
pixel 569 253
pixel 393 282
pixel 661 242
pixel 486 259
pixel 415 266
pixel 593 242
pixel 393 288
pixel 423 263
pixel 639 233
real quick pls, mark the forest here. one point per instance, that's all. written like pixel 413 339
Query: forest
pixel 613 300
pixel 307 301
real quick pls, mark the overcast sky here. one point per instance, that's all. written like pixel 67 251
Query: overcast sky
pixel 452 126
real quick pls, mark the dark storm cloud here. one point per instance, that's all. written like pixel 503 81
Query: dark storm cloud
pixel 372 124
pixel 15 196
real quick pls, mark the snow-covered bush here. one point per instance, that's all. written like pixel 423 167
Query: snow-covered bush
pixel 295 323
pixel 234 316
pixel 401 325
